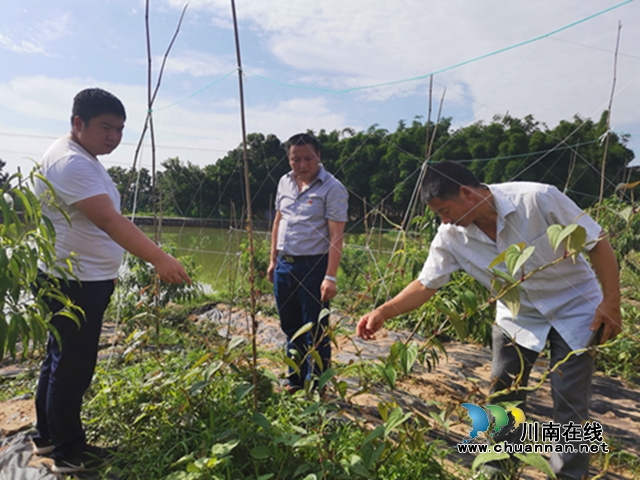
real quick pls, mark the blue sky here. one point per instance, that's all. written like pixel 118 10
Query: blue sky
pixel 301 58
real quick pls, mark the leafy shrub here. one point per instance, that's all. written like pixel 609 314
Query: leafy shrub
pixel 137 289
pixel 26 236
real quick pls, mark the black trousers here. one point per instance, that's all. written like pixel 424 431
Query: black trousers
pixel 68 368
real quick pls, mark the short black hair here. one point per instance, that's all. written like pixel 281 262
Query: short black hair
pixel 93 102
pixel 443 181
pixel 302 139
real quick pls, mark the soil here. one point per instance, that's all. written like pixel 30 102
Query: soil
pixel 463 375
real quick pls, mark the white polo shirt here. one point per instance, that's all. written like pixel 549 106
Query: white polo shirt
pixel 564 296
pixel 76 175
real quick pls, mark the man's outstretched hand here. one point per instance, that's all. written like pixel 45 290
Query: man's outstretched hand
pixel 369 324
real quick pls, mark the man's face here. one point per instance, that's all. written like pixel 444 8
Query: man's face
pixel 458 210
pixel 101 135
pixel 304 161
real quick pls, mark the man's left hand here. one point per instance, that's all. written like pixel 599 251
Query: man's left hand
pixel 607 314
pixel 328 290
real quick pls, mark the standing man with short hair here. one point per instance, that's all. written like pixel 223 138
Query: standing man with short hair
pixel 562 305
pixel 97 236
pixel 306 246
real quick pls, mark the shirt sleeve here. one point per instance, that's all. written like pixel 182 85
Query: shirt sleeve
pixel 560 209
pixel 337 203
pixel 440 263
pixel 76 180
pixel 278 196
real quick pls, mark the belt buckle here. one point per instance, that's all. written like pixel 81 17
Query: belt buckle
pixel 289 258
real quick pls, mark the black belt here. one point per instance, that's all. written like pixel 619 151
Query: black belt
pixel 299 258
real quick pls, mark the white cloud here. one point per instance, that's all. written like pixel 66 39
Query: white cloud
pixel 19 46
pixel 36 39
pixel 198 64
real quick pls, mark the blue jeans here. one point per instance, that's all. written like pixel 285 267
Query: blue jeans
pixel 296 286
pixel 67 369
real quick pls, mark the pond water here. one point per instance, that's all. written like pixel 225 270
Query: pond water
pixel 217 250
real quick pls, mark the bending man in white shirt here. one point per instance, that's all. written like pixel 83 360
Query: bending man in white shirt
pixel 563 304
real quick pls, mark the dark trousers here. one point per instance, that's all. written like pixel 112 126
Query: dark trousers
pixel 570 389
pixel 296 286
pixel 67 369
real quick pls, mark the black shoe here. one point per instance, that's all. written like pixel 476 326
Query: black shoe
pixel 41 446
pixel 90 458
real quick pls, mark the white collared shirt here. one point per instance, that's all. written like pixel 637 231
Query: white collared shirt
pixel 564 296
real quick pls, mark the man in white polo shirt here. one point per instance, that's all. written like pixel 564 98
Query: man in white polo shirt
pixel 97 236
pixel 563 304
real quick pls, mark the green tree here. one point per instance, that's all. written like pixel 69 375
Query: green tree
pixel 140 180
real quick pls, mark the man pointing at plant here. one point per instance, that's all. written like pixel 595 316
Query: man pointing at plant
pixel 563 304
pixel 96 235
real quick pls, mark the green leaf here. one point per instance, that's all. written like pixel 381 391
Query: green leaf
pixel 553 232
pixel 524 256
pixel 323 313
pixel 342 388
pixel 371 454
pixel 326 376
pixel 198 387
pixel 459 326
pixel 488 457
pixel 498 260
pixel 576 241
pixel 408 357
pixel 396 418
pixel 307 441
pixel 560 236
pixel 235 341
pixel 316 358
pixel 292 364
pixel 375 433
pixel 260 452
pixel 302 330
pixel 243 390
pixel 262 421
pixel 389 373
pixel 220 450
pixel 626 213
pixel 182 476
pixel 512 300
pixel 470 301
pixel 212 369
pixel 512 253
pixel 538 461
pixel 503 275
pixel 200 361
pixel 4 332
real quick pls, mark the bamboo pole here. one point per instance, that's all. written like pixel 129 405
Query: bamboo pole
pixel 247 190
pixel 608 126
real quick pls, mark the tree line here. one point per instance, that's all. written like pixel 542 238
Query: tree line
pixel 381 168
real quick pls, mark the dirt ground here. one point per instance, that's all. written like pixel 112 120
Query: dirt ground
pixel 462 376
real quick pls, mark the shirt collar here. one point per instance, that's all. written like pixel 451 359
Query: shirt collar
pixel 503 205
pixel 322 176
